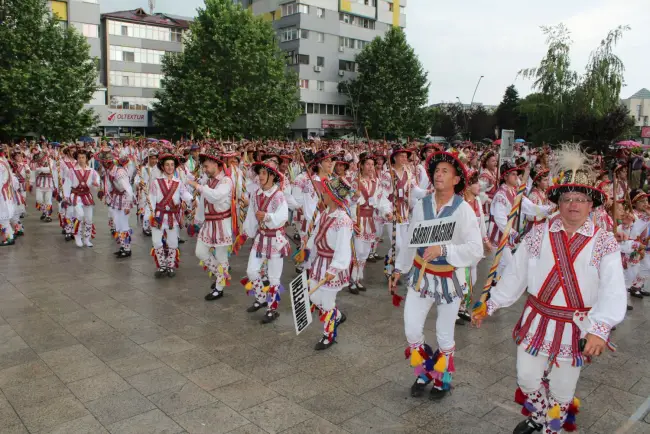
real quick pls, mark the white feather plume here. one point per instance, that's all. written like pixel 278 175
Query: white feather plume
pixel 570 158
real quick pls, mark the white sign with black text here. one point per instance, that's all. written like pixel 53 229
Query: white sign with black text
pixel 299 289
pixel 432 232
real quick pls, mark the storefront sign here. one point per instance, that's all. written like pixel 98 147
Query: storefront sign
pixel 121 118
pixel 336 124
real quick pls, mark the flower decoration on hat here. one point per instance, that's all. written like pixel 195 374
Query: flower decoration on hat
pixel 575 173
pixel 210 154
pixel 338 190
pixel 447 157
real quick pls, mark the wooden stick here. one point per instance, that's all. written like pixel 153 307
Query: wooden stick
pixel 321 283
pixel 614 202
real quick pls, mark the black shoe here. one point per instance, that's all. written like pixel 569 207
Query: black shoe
pixel 353 289
pixel 323 344
pixel 48 219
pixel 171 272
pixel 644 293
pixel 43 216
pixel 298 270
pixel 630 307
pixel 464 315
pixel 417 389
pixel 527 426
pixel 22 216
pixel 146 233
pixel 62 231
pixel 270 316
pixel 11 242
pixel 159 272
pixel 342 319
pixel 256 306
pixel 360 287
pixel 123 254
pixel 459 321
pixel 372 259
pixel 181 241
pixel 296 237
pixel 214 295
pixel 437 394
pixel 68 237
pixel 112 232
pixel 635 293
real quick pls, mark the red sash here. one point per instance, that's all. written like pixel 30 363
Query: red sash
pixel 265 241
pixel 166 205
pixel 563 276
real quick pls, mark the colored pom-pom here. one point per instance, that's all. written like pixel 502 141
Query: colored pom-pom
pixel 554 413
pixel 520 397
pixel 480 310
pixel 569 427
pixel 416 358
pixel 529 406
pixel 248 286
pixel 407 352
pixel 573 409
pixel 397 300
pixel 441 364
pixel 244 281
pixel 525 411
pixel 428 365
pixel 555 424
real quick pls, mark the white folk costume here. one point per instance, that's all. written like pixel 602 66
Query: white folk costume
pixel 270 244
pixel 215 236
pixel 7 203
pixel 21 173
pixel 141 184
pixel 79 199
pixel 165 196
pixel 445 283
pixel 64 165
pixel 119 198
pixel 44 184
pixel 575 286
pixel 330 252
pixel 488 182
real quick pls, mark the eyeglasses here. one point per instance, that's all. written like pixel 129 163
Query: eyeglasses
pixel 575 199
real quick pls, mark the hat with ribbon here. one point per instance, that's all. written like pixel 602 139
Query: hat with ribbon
pixel 398 149
pixel 338 190
pixel 447 157
pixel 575 173
pixel 210 154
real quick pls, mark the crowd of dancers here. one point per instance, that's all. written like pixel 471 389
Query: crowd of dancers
pixel 567 228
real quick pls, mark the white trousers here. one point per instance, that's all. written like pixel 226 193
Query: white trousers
pixel 203 253
pixel 506 258
pixel 324 299
pixel 171 239
pixel 43 197
pixel 83 213
pixel 9 230
pixel 362 250
pixel 274 268
pixel 416 310
pixel 120 220
pixel 562 379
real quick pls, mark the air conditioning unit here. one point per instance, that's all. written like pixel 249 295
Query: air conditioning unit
pixel 318 68
pixel 341 49
pixel 341 73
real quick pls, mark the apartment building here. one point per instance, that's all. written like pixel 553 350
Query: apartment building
pixel 321 39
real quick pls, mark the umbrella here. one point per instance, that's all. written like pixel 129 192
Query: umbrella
pixel 164 141
pixel 629 144
pixel 520 141
pixel 151 139
pixel 86 139
pixel 486 140
pixel 497 142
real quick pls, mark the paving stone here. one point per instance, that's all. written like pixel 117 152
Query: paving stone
pixel 33 392
pixel 277 414
pixel 613 421
pixel 184 398
pixel 152 422
pixel 376 420
pixel 8 416
pixel 299 387
pixel 243 394
pixel 156 381
pixel 92 388
pixel 84 425
pixel 133 365
pixel 392 398
pixel 188 361
pixel 316 425
pixel 18 428
pixel 212 419
pixel 50 414
pixel 24 373
pixel 213 376
pixel 119 406
pixel 335 405
pixel 167 345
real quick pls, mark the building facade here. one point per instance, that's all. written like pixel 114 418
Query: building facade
pixel 639 107
pixel 133 45
pixel 321 39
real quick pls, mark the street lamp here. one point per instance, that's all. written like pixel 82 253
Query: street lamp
pixel 469 133
pixel 464 114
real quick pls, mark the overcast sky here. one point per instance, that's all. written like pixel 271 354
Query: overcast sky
pixel 458 41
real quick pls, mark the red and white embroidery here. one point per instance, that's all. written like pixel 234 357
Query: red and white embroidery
pixel 604 245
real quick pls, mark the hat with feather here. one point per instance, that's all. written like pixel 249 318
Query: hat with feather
pixel 574 170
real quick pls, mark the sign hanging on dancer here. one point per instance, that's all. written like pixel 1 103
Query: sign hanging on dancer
pixel 299 289
pixel 432 232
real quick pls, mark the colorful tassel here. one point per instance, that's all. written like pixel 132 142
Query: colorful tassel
pixel 520 397
pixel 397 300
pixel 441 364
pixel 416 358
pixel 554 413
pixel 480 310
pixel 407 352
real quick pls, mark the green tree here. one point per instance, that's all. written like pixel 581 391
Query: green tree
pixel 231 78
pixel 46 74
pixel 507 114
pixel 392 88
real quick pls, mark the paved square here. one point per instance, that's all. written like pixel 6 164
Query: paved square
pixel 91 344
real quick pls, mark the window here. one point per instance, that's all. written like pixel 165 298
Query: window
pixel 390 7
pixel 304 34
pixel 294 8
pixel 366 23
pixel 320 36
pixel 125 31
pixel 304 84
pixel 143 31
pixel 60 10
pixel 137 55
pixel 320 12
pixel 131 102
pixel 303 9
pixel 320 61
pixel 303 59
pixel 90 30
pixel 134 79
pixel 323 109
pixel 330 109
pixel 320 86
pixel 346 65
pixel 310 108
pixel 288 34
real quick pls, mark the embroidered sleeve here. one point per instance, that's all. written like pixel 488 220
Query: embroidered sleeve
pixel 605 244
pixel 601 329
pixel 533 240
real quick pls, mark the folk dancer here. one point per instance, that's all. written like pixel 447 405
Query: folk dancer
pixel 142 182
pixel 363 214
pixel 119 199
pixel 214 221
pixel 21 172
pixel 78 197
pixel 45 184
pixel 7 202
pixel 446 274
pixel 540 182
pixel 330 257
pixel 488 179
pixel 573 274
pixel 639 201
pixel 165 196
pixel 63 166
pixel 265 220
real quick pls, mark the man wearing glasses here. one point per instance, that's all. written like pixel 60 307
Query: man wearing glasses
pixel 573 274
